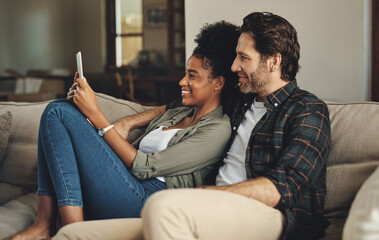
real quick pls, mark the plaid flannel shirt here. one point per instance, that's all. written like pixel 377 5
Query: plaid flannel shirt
pixel 289 145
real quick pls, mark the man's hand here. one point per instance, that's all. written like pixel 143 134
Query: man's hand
pixel 261 189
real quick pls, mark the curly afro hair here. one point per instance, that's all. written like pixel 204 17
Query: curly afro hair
pixel 217 42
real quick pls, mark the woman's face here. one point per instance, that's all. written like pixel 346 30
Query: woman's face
pixel 198 86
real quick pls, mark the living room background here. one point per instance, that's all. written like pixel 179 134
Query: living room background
pixel 334 37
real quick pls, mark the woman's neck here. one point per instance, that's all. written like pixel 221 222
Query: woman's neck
pixel 202 110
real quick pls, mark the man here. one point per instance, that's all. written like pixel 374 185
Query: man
pixel 272 183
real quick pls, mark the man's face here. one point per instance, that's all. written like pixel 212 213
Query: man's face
pixel 253 73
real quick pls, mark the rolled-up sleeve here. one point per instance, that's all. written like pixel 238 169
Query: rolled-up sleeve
pixel 194 151
pixel 304 154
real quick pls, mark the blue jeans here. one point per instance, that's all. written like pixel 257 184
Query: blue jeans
pixel 78 168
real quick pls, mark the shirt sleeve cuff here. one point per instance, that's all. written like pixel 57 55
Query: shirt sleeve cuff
pixel 143 165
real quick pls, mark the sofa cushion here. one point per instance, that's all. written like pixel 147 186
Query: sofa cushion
pixel 5 124
pixel 354 153
pixel 9 192
pixel 17 215
pixel 363 219
pixel 20 163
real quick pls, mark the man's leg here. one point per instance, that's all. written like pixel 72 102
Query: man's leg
pixel 112 229
pixel 209 214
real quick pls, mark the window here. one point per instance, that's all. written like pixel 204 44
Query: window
pixel 156 28
pixel 125 31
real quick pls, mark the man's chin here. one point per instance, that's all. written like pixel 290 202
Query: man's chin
pixel 246 89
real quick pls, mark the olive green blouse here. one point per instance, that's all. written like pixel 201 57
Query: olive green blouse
pixel 192 153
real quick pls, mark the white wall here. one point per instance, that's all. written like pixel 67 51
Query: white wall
pixel 333 34
pixel 3 47
pixel 45 34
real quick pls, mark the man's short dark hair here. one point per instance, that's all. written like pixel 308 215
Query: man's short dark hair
pixel 273 34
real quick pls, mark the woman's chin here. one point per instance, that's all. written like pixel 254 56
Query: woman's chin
pixel 186 103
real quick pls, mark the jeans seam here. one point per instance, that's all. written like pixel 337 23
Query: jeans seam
pixel 54 153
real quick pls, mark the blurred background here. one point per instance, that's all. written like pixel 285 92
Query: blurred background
pixel 136 49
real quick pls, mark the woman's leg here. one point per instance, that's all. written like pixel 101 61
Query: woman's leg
pixel 83 168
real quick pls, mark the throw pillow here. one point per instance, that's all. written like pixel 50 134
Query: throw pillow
pixel 5 125
pixel 363 219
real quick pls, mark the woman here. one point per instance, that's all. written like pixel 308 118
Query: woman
pixel 84 162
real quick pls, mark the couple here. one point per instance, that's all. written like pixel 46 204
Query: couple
pixel 271 183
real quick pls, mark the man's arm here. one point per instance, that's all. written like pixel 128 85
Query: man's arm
pixel 124 125
pixel 302 159
pixel 261 189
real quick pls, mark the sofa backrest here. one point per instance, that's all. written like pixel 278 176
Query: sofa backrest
pixel 354 152
pixel 19 165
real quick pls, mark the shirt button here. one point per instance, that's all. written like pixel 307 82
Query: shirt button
pixel 234 128
pixel 153 169
pixel 276 105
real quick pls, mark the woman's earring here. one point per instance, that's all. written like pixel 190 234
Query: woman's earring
pixel 216 89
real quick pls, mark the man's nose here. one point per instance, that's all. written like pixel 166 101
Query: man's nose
pixel 236 65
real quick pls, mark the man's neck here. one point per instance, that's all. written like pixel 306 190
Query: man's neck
pixel 271 88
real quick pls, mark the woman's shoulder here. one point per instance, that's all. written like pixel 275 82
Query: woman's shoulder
pixel 217 115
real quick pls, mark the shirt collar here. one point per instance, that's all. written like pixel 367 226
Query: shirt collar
pixel 214 114
pixel 279 96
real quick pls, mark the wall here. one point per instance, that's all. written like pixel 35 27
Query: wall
pixel 3 47
pixel 46 34
pixel 334 38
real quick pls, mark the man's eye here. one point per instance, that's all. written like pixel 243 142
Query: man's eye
pixel 191 75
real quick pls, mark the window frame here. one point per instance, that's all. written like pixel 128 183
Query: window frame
pixel 112 35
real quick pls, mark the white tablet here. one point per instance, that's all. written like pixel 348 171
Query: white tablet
pixel 79 64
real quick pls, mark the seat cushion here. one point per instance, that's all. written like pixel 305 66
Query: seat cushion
pixel 363 218
pixel 17 215
pixel 9 192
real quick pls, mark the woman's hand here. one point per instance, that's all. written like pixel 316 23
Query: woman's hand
pixel 74 88
pixel 85 99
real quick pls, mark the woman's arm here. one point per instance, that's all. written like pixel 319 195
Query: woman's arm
pixel 124 125
pixel 193 152
pixel 85 100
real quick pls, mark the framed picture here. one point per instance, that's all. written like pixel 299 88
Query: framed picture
pixel 156 16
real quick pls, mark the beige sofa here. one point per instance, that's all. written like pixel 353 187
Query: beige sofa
pixel 354 155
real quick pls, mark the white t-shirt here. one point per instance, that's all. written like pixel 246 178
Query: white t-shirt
pixel 156 141
pixel 233 170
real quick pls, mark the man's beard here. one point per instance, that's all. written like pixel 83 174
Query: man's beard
pixel 257 81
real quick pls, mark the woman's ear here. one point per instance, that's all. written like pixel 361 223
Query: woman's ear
pixel 219 82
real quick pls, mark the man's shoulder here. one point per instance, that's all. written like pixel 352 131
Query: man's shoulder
pixel 305 98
